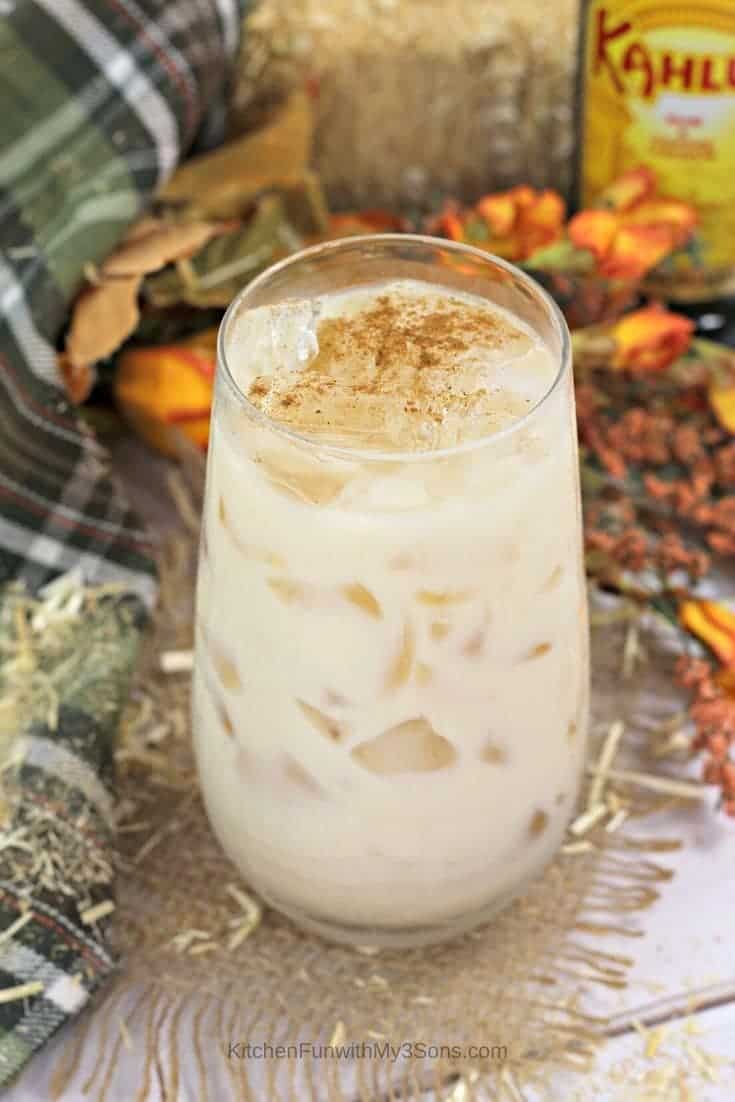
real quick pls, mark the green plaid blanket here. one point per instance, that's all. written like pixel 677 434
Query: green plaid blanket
pixel 100 99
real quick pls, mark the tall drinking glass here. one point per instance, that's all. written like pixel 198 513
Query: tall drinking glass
pixel 391 675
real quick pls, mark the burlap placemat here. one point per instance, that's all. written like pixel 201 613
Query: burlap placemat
pixel 205 975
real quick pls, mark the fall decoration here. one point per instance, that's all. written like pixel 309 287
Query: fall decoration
pixel 223 183
pixel 656 406
pixel 513 224
pixel 721 395
pixel 635 228
pixel 202 955
pixel 167 389
pixel 631 231
pixel 658 477
pixel 594 264
pixel 219 222
pixel 714 624
pixel 106 312
pixel 182 257
pixel 650 339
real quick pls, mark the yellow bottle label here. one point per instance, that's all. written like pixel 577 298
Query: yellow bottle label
pixel 658 89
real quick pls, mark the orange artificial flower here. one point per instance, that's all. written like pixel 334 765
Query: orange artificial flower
pixel 512 224
pixel 629 189
pixel 636 250
pixel 594 230
pixel 623 246
pixel 167 388
pixel 713 624
pixel 650 339
pixel 676 218
pixel 539 221
pixel 628 234
pixel 523 195
pixel 451 225
pixel 546 213
pixel 634 229
pixel 499 211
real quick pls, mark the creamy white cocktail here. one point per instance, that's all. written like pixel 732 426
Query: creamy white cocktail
pixel 390 688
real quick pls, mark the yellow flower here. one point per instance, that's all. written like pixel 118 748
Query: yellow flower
pixel 714 624
pixel 722 401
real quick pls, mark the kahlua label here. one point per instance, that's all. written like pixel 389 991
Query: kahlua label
pixel 657 88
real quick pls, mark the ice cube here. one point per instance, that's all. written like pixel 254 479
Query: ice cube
pixel 225 666
pixel 401 665
pixel 360 596
pixel 410 747
pixel 303 478
pixel 316 405
pixel 488 362
pixel 293 333
pixel 299 778
pixel 493 752
pixel 388 494
pixel 325 724
pixel 271 340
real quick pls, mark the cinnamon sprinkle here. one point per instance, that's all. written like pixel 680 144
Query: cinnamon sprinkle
pixel 399 352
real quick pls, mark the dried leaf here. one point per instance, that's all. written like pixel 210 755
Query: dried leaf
pixel 561 256
pixel 221 269
pixel 222 184
pixel 106 312
pixel 78 378
pixel 156 244
pixel 103 317
pixel 306 209
pixel 142 227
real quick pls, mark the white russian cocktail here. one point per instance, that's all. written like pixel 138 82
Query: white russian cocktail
pixel 390 688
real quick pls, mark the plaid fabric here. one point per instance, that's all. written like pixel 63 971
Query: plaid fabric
pixel 100 100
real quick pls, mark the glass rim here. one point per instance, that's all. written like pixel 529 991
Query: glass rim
pixel 376 455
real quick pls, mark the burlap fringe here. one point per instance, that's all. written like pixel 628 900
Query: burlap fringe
pixel 154 1037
